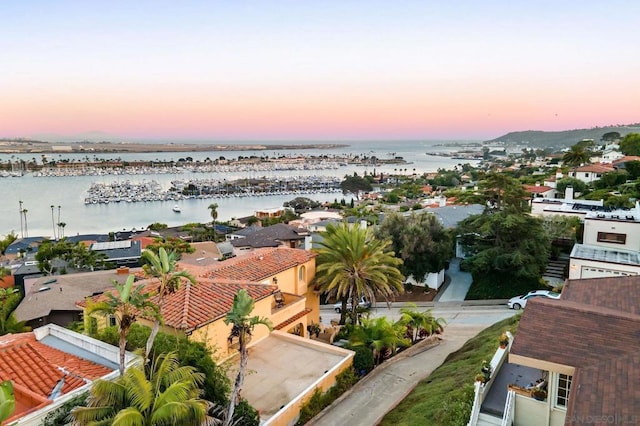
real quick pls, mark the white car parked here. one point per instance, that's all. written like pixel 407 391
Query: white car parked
pixel 519 302
pixel 363 303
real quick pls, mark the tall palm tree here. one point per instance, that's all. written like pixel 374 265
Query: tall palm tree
pixel 21 219
pixel 214 215
pixel 61 226
pixel 352 263
pixel 26 228
pixel 166 394
pixel 419 321
pixel 126 306
pixel 243 326
pixel 163 267
pixel 53 223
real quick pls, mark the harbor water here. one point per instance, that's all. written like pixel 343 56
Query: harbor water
pixel 67 193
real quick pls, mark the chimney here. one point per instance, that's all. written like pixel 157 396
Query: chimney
pixel 559 174
pixel 568 193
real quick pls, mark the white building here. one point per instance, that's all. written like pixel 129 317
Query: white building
pixel 611 245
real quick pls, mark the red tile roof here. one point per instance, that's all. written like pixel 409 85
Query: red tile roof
pixel 595 168
pixel 192 306
pixel 627 158
pixel 292 319
pixel 39 367
pixel 260 264
pixel 537 189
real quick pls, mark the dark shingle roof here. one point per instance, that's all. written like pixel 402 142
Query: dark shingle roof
pixel 594 327
pixel 271 236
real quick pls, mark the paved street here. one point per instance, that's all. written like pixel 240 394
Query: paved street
pixel 375 395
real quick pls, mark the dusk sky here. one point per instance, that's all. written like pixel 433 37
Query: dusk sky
pixel 321 70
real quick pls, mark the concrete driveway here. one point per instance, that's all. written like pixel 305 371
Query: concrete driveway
pixel 459 284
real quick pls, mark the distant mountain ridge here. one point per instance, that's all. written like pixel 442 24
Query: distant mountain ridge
pixel 564 138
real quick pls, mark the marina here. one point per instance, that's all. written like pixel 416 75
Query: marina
pixel 69 189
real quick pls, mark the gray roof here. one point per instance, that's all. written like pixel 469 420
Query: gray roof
pixel 245 232
pixel 606 255
pixel 131 251
pixel 64 293
pixel 271 236
pixel 450 216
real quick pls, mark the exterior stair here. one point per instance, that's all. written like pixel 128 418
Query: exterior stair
pixel 556 268
pixel 485 419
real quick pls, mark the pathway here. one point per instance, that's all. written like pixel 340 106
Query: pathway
pixel 382 389
pixel 459 284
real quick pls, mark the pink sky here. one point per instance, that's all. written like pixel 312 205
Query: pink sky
pixel 296 71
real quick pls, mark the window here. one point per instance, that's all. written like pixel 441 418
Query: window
pixel 612 237
pixel 564 388
pixel 301 274
pixel 112 321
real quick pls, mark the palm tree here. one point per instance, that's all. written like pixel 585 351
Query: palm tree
pixel 352 263
pixel 26 229
pixel 21 225
pixel 126 307
pixel 163 267
pixel 214 215
pixel 242 328
pixel 419 321
pixel 380 335
pixel 7 400
pixel 53 223
pixel 578 154
pixel 166 394
pixel 61 226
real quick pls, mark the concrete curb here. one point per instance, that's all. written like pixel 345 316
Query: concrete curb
pixel 488 302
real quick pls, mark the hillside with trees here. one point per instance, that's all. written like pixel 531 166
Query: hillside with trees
pixel 562 139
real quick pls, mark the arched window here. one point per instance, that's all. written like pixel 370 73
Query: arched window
pixel 302 274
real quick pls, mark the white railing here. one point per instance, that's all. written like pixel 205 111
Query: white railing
pixel 509 409
pixel 481 389
pixel 477 402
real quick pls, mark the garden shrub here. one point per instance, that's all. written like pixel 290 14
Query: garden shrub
pixel 319 400
pixel 363 360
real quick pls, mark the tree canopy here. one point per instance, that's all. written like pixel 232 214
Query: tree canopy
pixel 355 184
pixel 419 240
pixel 509 253
pixel 630 144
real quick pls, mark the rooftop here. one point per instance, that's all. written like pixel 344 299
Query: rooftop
pixel 283 366
pixel 598 336
pixel 260 264
pixel 607 255
pixel 192 306
pixel 63 293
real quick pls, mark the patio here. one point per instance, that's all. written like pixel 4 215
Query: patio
pixel 507 375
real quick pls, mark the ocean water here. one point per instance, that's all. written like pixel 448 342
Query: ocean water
pixel 38 194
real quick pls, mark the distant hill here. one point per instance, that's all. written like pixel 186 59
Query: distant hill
pixel 562 139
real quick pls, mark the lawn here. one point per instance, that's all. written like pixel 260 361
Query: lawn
pixel 445 397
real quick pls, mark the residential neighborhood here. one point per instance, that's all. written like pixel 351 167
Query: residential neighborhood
pixel 302 306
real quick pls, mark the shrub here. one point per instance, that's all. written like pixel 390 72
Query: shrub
pixel 245 414
pixel 319 400
pixel 60 416
pixel 363 359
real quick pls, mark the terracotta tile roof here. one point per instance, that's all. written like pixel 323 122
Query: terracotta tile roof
pixel 260 264
pixel 193 306
pixel 40 368
pixel 292 319
pixel 595 168
pixel 627 158
pixel 594 327
pixel 537 189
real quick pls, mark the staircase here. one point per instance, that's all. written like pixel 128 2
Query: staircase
pixel 485 419
pixel 556 269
